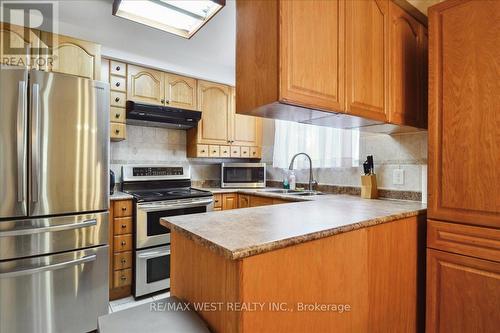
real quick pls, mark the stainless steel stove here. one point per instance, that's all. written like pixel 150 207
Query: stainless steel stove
pixel 158 191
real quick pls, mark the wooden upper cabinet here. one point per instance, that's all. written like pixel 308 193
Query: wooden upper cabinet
pixel 24 43
pixel 312 54
pixel 144 85
pixel 73 56
pixel 407 38
pixel 457 284
pixel 246 130
pixel 180 91
pixel 464 117
pixel 367 58
pixel 214 101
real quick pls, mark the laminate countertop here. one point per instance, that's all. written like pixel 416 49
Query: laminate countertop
pixel 118 195
pixel 244 232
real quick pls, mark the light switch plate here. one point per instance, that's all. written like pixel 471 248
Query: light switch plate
pixel 398 177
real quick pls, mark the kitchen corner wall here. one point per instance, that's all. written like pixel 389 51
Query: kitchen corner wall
pixel 154 145
pixel 402 151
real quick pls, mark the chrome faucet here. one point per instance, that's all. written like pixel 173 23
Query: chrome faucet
pixel 311 181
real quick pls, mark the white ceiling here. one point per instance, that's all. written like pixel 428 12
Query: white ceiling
pixel 209 54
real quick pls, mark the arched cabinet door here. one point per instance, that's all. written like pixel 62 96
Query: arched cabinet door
pixel 367 58
pixel 214 102
pixel 407 63
pixel 246 130
pixel 18 45
pixel 72 56
pixel 180 91
pixel 144 85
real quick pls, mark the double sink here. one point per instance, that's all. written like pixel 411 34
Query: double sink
pixel 293 192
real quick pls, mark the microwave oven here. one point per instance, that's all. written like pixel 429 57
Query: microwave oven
pixel 243 175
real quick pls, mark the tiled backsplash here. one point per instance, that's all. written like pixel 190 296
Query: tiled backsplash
pixel 160 145
pixel 154 145
pixel 401 151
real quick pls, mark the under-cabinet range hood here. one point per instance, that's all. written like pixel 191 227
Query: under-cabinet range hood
pixel 161 116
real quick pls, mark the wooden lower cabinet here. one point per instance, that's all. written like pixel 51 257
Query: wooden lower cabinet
pixel 243 201
pixel 377 271
pixel 229 201
pixel 238 200
pixel 256 201
pixel 463 293
pixel 120 257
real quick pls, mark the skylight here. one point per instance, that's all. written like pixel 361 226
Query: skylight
pixel 179 17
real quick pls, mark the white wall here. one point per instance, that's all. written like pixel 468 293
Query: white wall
pixel 209 54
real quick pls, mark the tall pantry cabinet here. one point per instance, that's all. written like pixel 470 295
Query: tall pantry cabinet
pixel 463 235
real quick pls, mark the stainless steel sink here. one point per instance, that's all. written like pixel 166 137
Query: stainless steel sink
pixel 281 191
pixel 308 193
pixel 293 192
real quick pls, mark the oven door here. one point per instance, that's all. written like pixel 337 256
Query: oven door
pixel 237 175
pixel 149 230
pixel 152 270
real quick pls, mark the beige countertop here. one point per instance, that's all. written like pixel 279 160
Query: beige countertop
pixel 244 232
pixel 118 195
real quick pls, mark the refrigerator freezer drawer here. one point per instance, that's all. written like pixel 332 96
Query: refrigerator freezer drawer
pixel 38 236
pixel 58 293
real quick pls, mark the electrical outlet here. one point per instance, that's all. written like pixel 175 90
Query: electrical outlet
pixel 398 177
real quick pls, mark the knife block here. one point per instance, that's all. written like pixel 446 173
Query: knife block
pixel 369 188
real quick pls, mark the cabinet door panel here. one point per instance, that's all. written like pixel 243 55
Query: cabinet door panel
pixel 144 85
pixel 463 293
pixel 229 201
pixel 73 56
pixel 180 91
pixel 407 66
pixel 311 75
pixel 214 103
pixel 464 117
pixel 366 58
pixel 13 36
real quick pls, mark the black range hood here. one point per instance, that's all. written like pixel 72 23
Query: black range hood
pixel 161 116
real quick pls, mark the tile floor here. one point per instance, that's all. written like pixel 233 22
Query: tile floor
pixel 129 302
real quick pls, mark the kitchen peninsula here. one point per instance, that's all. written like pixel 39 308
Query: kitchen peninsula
pixel 335 261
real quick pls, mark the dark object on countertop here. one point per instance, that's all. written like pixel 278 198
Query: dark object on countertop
pixel 368 167
pixel 168 315
pixel 111 182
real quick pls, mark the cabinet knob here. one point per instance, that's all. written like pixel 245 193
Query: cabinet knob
pixel 203 151
pixel 123 278
pixel 118 68
pixel 123 260
pixel 117 84
pixel 117 115
pixel 123 243
pixel 117 131
pixel 124 226
pixel 167 101
pixel 117 99
pixel 162 101
pixel 214 151
pixel 124 208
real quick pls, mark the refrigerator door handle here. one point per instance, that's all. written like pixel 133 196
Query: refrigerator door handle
pixel 53 267
pixel 21 140
pixel 61 227
pixel 35 142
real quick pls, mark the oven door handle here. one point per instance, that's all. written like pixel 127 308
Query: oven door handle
pixel 153 254
pixel 155 208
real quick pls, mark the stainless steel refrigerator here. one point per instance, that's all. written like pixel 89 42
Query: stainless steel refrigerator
pixel 54 196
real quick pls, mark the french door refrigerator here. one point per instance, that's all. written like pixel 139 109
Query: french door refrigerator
pixel 53 201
